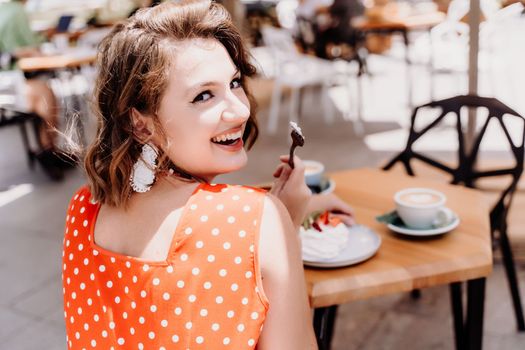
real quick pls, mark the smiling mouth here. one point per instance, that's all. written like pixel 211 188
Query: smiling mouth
pixel 228 138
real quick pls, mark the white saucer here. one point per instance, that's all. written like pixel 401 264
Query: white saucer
pixel 428 232
pixel 362 244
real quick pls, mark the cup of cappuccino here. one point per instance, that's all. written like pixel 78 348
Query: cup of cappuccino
pixel 422 208
pixel 313 172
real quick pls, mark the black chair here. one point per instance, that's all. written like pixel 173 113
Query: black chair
pixel 11 117
pixel 467 174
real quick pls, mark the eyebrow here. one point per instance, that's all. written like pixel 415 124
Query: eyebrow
pixel 209 83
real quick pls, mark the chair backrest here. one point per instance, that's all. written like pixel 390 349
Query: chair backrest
pixel 63 23
pixel 465 171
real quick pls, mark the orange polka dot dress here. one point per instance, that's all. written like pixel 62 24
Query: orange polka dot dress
pixel 206 295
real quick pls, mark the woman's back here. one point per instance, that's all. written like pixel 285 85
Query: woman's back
pixel 207 292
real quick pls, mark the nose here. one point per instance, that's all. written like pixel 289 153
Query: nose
pixel 237 108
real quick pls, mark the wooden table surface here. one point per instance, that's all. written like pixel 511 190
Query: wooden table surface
pixel 411 22
pixel 70 59
pixel 404 264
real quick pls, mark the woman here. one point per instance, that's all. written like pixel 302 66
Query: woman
pixel 155 256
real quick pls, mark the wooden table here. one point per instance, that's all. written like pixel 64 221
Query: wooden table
pixel 403 264
pixel 68 60
pixel 402 25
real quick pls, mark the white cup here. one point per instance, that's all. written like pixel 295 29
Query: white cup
pixel 313 172
pixel 422 208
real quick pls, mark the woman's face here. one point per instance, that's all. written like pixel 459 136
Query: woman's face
pixel 204 110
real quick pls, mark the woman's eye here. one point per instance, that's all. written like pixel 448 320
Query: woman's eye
pixel 202 97
pixel 236 83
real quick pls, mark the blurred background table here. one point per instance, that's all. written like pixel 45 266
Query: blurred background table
pixel 405 264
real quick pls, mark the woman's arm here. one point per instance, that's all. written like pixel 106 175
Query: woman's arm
pixel 288 324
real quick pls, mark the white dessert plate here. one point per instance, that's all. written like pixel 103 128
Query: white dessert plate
pixel 428 232
pixel 362 244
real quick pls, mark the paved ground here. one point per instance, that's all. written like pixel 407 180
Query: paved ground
pixel 31 226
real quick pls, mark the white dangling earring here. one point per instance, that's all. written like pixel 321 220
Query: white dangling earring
pixel 143 173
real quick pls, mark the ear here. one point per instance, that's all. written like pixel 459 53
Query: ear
pixel 142 125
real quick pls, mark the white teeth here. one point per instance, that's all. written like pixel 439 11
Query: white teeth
pixel 224 137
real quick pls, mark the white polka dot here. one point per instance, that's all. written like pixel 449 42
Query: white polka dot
pixel 75 271
pixel 180 284
pixel 184 257
pixel 71 256
pixel 143 293
pixel 120 341
pixel 251 342
pixel 126 289
pixel 93 343
pixel 73 295
pixel 240 327
pixel 153 308
pixel 195 271
pixel 178 311
pixel 226 341
pixel 140 346
pixel 151 335
pixel 132 330
pixel 82 210
pixel 104 334
pixel 223 272
pixel 246 208
pixel 125 315
pixel 215 327
pixel 234 287
pixel 128 264
pixel 175 338
pixel 90 301
pixel 251 248
pixel 164 323
pixel 77 335
pixel 244 301
pixel 96 317
pixel 81 198
pixel 209 197
pixel 92 276
pixel 156 281
pixel 236 198
pixel 80 247
pixel 248 274
pixel 231 219
pixel 207 285
pixel 204 312
pixel 242 233
pixel 134 279
pixel 109 284
pixel 166 296
pixel 227 245
pixel 238 260
pixel 250 190
pixel 230 314
pixel 219 300
pixel 225 189
pixel 72 319
pixel 169 269
pixel 199 244
pixel 133 305
pixel 119 274
pixel 188 325
pixel 192 298
pixel 112 259
pixel 254 315
pixel 73 219
pixel 215 232
pixel 193 207
pixel 117 300
pixel 199 340
pixel 220 207
pixel 188 230
pixel 85 223
pixel 145 267
pixel 142 320
pixel 204 218
pixel 102 268
pixel 111 325
pixel 67 243
pixel 211 258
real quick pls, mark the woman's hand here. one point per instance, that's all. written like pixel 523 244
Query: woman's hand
pixel 290 188
pixel 332 203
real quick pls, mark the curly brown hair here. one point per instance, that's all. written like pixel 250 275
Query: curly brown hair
pixel 134 61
